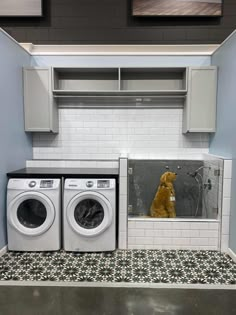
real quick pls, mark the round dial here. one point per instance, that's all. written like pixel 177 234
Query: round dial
pixel 89 183
pixel 32 184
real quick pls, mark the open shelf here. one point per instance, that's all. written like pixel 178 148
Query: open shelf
pixel 160 80
pixel 69 93
pixel 119 81
pixel 122 101
pixel 71 80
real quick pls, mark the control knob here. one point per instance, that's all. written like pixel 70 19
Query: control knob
pixel 89 184
pixel 32 184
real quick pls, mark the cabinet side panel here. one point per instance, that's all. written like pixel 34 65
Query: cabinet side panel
pixel 54 116
pixel 36 99
pixel 185 124
pixel 202 100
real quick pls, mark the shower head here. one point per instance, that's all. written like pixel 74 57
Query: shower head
pixel 202 167
pixel 196 172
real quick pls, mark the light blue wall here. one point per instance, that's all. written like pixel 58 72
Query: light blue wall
pixel 15 144
pixel 224 141
pixel 232 228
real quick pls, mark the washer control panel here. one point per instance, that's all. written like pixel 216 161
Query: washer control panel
pixel 46 183
pixel 84 184
pixel 25 184
pixel 103 184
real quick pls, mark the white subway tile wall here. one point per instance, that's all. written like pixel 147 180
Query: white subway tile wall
pixel 73 163
pixel 173 235
pixel 108 133
pixel 226 199
pixel 123 204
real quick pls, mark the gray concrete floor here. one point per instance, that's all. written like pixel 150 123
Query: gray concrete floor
pixel 19 300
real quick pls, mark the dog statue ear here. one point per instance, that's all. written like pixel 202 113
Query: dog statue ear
pixel 163 178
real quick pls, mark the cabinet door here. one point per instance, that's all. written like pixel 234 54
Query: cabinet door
pixel 200 105
pixel 40 109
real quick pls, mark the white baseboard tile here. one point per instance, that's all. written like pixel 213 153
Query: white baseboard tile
pixel 158 234
pixel 3 251
pixel 232 254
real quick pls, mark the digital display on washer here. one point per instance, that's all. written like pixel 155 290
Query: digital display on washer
pixel 103 184
pixel 46 183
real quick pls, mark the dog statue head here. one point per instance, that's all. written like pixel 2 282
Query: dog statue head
pixel 168 177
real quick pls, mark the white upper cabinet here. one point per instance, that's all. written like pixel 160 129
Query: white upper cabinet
pixel 200 105
pixel 193 89
pixel 41 112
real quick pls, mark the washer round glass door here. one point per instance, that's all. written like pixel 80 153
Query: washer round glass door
pixel 89 213
pixel 31 213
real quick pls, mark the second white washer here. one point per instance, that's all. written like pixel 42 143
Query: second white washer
pixel 89 215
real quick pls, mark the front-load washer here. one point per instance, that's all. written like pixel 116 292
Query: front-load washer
pixel 89 215
pixel 34 214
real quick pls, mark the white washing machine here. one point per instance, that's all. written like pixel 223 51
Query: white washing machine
pixel 34 214
pixel 89 215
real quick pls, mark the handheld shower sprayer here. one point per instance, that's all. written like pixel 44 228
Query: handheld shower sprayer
pixel 196 172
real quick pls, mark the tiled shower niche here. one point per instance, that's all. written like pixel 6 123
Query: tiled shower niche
pixel 198 189
pixel 197 186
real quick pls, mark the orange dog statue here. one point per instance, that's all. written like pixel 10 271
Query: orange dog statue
pixel 163 204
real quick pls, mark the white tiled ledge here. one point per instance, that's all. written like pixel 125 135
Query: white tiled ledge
pixel 173 220
pixel 177 154
pixel 73 163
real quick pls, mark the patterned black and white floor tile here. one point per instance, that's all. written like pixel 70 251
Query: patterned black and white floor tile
pixel 135 266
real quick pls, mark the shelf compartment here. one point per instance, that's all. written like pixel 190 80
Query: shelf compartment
pixel 70 80
pixel 160 80
pixel 122 101
pixel 68 93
